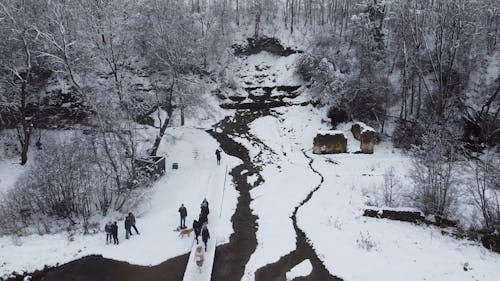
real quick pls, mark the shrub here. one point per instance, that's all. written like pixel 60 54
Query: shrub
pixel 67 184
pixel 434 174
pixel 337 115
pixel 366 242
pixel 390 188
pixel 407 134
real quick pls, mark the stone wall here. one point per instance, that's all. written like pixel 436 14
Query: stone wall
pixel 367 142
pixel 329 144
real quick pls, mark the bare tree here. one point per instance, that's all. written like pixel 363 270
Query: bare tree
pixel 390 188
pixel 433 174
pixel 484 187
pixel 116 138
pixel 18 67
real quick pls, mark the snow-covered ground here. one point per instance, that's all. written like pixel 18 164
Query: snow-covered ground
pixel 352 247
pixel 268 70
pixel 10 170
pixel 198 176
pixel 285 173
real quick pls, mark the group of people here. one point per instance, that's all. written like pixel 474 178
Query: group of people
pixel 111 229
pixel 200 226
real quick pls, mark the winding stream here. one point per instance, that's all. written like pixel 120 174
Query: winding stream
pixel 231 258
pixel 277 271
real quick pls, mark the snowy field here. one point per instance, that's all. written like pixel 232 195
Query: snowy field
pixel 352 247
pixel 198 176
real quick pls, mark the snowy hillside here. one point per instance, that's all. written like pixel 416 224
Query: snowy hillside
pixel 333 140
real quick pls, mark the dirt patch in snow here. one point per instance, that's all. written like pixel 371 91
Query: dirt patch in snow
pixel 92 268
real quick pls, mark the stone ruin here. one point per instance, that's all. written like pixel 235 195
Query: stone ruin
pixel 366 136
pixel 329 142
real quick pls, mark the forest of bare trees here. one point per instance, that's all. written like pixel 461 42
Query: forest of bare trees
pixel 419 64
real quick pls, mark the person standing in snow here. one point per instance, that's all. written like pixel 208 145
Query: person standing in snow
pixel 114 232
pixel 128 233
pixel 108 229
pixel 132 223
pixel 204 206
pixel 217 154
pixel 202 219
pixel 183 213
pixel 197 230
pixel 204 211
pixel 205 235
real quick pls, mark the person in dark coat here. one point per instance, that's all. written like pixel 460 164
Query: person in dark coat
pixel 204 211
pixel 108 229
pixel 205 235
pixel 132 222
pixel 114 232
pixel 127 227
pixel 202 219
pixel 183 213
pixel 197 230
pixel 217 155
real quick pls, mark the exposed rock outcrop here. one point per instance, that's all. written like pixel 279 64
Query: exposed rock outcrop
pixel 257 45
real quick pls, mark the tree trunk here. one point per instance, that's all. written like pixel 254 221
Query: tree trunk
pixel 24 154
pixel 24 133
pixel 163 128
pixel 419 96
pixel 237 12
pixel 156 145
pixel 258 14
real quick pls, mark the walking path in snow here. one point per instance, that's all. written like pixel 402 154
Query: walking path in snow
pixel 216 186
pixel 198 176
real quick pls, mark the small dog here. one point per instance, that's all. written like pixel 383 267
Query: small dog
pixel 185 232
